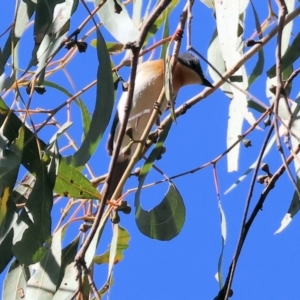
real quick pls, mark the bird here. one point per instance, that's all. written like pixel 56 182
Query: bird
pixel 148 85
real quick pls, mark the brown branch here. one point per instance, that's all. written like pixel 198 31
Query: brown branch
pixel 177 38
pixel 280 89
pixel 79 259
pixel 208 91
pixel 76 31
pixel 291 78
pixel 192 171
pixel 226 290
pixel 259 205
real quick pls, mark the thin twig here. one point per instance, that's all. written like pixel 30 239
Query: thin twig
pixel 208 91
pixel 192 171
pixel 227 286
pixel 79 259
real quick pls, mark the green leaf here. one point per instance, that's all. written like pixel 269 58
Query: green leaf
pixel 43 18
pixel 121 245
pixel 287 30
pixel 17 226
pixel 24 13
pixel 42 23
pixel 42 284
pixel 137 13
pixel 103 108
pixel 9 167
pixel 290 56
pixel 69 181
pixel 166 220
pixel 52 21
pixel 161 20
pixel 285 75
pixel 72 183
pixel 6 238
pixel 38 209
pixel 31 157
pixel 112 47
pixel 51 154
pixel 113 250
pixel 112 256
pixel 256 106
pixel 166 33
pixel 258 69
pixel 86 119
pixel 10 159
pixel 15 282
pixel 68 255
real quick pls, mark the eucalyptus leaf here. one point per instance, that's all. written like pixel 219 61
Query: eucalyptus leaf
pixel 119 25
pixel 15 281
pixel 45 278
pixel 103 108
pixel 123 238
pixel 38 209
pixel 166 220
pixel 259 66
pixel 291 55
pixel 24 13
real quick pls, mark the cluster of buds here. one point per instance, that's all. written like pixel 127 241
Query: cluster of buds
pixel 123 207
pixel 81 46
pixel 265 179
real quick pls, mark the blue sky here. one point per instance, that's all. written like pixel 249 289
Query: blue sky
pixel 184 268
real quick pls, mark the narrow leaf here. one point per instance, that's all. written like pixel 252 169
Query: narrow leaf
pixel 69 181
pixel 160 20
pixel 15 281
pixel 259 66
pixel 290 56
pixel 224 236
pixel 86 119
pixel 24 13
pixel 38 208
pixel 68 273
pixel 119 25
pixel 42 285
pixel 103 107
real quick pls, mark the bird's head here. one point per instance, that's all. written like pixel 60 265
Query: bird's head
pixel 190 69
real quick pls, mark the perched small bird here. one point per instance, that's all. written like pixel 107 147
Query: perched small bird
pixel 148 85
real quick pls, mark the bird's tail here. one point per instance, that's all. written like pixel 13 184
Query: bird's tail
pixel 120 168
